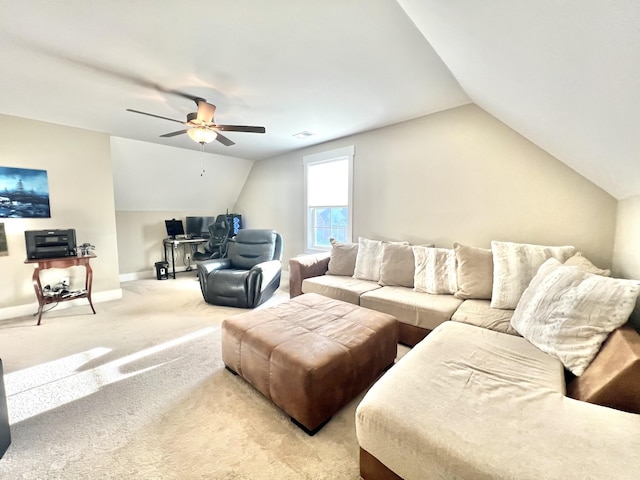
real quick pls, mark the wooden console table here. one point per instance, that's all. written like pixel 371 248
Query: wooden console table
pixel 61 262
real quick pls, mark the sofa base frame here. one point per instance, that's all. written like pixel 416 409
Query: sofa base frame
pixel 411 335
pixel 373 469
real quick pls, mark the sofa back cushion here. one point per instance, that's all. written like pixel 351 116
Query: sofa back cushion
pixel 568 312
pixel 435 270
pixel 342 259
pixel 578 260
pixel 398 265
pixel 474 271
pixel 368 260
pixel 515 264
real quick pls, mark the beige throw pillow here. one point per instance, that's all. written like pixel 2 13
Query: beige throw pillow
pixel 474 272
pixel 368 259
pixel 585 264
pixel 342 260
pixel 435 270
pixel 398 265
pixel 568 313
pixel 515 264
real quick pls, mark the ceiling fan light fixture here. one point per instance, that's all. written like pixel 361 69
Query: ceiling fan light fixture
pixel 202 135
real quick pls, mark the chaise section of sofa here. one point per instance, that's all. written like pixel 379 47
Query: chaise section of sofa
pixel 468 402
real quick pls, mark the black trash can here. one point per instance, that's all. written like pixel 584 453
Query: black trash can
pixel 162 270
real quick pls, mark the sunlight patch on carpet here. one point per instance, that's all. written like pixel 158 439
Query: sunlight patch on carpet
pixel 38 389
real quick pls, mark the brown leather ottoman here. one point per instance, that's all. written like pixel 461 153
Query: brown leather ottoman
pixel 310 355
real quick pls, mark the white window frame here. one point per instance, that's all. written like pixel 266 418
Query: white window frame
pixel 325 157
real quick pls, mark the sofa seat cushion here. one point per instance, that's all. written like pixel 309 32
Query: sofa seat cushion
pixel 468 402
pixel 480 314
pixel 347 289
pixel 424 310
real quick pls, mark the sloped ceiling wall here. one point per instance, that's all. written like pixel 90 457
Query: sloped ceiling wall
pixel 562 74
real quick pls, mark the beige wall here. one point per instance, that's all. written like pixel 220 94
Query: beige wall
pixel 154 183
pixel 78 165
pixel 455 176
pixel 140 235
pixel 626 253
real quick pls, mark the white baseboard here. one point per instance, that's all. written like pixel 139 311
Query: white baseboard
pixel 32 308
pixel 128 277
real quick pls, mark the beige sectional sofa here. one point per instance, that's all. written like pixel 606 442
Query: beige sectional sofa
pixel 472 403
pixel 486 394
pixel 332 274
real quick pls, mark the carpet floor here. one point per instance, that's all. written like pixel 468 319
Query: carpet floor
pixel 139 391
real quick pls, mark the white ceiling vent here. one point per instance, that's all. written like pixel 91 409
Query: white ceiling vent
pixel 304 134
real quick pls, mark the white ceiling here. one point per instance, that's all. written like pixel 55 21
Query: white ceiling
pixel 563 74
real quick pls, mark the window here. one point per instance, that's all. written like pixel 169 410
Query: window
pixel 328 197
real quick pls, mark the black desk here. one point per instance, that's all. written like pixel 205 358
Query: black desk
pixel 174 243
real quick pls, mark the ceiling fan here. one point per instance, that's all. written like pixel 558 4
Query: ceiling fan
pixel 201 126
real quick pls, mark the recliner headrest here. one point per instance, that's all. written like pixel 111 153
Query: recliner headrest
pixel 251 247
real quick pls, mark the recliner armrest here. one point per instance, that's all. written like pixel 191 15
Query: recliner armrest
pixel 306 266
pixel 268 270
pixel 209 266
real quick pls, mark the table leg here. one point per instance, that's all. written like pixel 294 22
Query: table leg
pixel 88 282
pixel 37 286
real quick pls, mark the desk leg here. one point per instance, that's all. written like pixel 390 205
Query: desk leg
pixel 173 260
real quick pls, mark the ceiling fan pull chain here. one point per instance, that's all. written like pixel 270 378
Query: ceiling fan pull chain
pixel 201 159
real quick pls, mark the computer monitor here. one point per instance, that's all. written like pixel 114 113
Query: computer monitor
pixel 174 228
pixel 193 226
pixel 199 226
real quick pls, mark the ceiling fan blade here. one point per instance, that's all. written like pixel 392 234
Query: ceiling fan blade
pixel 224 140
pixel 152 115
pixel 239 128
pixel 205 110
pixel 173 134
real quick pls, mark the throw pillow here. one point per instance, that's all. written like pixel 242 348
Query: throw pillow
pixel 435 270
pixel 585 264
pixel 368 259
pixel 514 265
pixel 474 272
pixel 398 265
pixel 567 312
pixel 342 259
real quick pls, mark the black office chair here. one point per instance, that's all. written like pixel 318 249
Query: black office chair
pixel 249 275
pixel 216 246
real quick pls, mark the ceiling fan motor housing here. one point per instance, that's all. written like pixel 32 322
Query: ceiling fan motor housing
pixel 191 117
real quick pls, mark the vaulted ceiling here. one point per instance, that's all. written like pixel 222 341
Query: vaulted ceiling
pixel 562 74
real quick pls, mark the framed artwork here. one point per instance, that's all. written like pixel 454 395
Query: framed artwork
pixel 4 248
pixel 24 193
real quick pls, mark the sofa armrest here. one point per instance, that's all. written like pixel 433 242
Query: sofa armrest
pixel 613 378
pixel 306 266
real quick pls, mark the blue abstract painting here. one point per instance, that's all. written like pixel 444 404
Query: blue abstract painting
pixel 24 193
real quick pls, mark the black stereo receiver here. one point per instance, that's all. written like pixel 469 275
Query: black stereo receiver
pixel 50 243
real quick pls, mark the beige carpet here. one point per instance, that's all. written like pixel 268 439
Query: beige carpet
pixel 139 391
